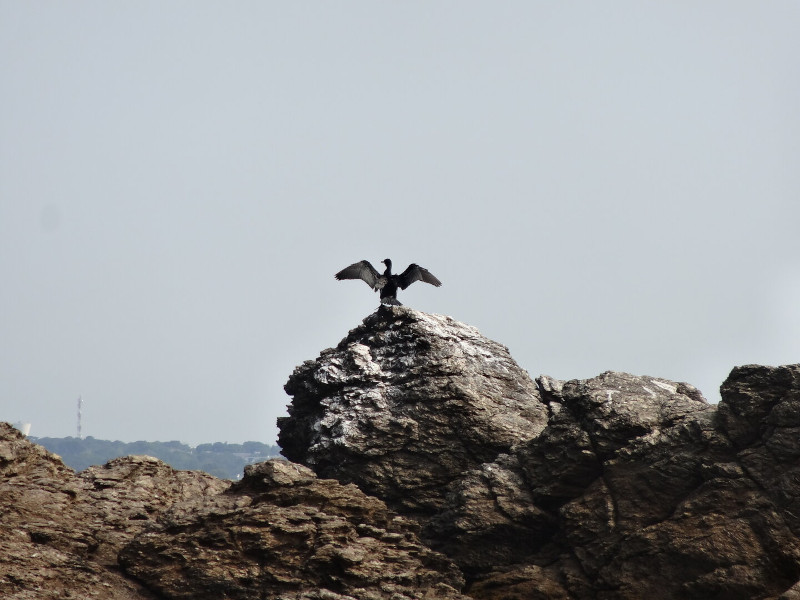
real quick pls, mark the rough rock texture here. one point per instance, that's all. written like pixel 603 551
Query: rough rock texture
pixel 454 469
pixel 283 533
pixel 405 404
pixel 279 533
pixel 619 486
pixel 60 532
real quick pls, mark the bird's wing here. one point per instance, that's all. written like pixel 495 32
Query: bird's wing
pixel 363 270
pixel 416 273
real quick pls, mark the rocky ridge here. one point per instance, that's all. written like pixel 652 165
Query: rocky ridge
pixel 619 486
pixel 427 464
pixel 283 533
pixel 60 532
pixel 136 529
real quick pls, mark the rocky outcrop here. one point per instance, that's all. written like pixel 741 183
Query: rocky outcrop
pixel 283 533
pixel 620 486
pixel 405 404
pixel 60 532
pixel 434 467
pixel 279 533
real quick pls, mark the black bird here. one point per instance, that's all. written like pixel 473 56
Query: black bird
pixel 388 282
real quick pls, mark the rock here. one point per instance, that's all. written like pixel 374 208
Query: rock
pixel 431 461
pixel 283 533
pixel 598 430
pixel 529 582
pixel 126 495
pixel 405 404
pixel 619 486
pixel 649 495
pixel 48 533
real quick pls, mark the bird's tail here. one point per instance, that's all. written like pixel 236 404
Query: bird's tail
pixel 392 301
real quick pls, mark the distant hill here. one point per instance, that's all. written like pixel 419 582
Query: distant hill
pixel 220 459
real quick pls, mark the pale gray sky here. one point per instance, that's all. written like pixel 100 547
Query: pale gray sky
pixel 599 186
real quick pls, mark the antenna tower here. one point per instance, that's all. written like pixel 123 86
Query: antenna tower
pixel 80 406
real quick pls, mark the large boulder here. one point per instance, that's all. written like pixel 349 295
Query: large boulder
pixel 405 404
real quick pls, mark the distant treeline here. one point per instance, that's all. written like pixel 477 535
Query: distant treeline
pixel 222 460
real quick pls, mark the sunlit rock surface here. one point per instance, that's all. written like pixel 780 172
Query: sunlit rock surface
pixel 405 404
pixel 60 532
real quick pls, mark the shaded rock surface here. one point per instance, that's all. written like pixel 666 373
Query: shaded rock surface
pixel 619 486
pixel 283 533
pixel 136 529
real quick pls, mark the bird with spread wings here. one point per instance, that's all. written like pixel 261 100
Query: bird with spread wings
pixel 387 283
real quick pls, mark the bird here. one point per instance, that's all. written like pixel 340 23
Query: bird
pixel 388 282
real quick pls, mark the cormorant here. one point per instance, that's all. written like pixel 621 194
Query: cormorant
pixel 388 282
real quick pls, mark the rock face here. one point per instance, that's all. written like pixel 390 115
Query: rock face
pixel 619 486
pixel 404 404
pixel 60 532
pixel 435 468
pixel 279 533
pixel 283 533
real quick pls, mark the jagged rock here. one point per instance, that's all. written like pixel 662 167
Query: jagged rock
pixel 283 533
pixel 651 497
pixel 60 532
pixel 405 404
pixel 43 556
pixel 603 434
pixel 126 494
pixel 617 487
pixel 280 530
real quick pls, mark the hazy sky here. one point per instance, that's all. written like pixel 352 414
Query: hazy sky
pixel 599 185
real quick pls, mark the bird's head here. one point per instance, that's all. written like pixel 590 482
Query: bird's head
pixel 387 262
